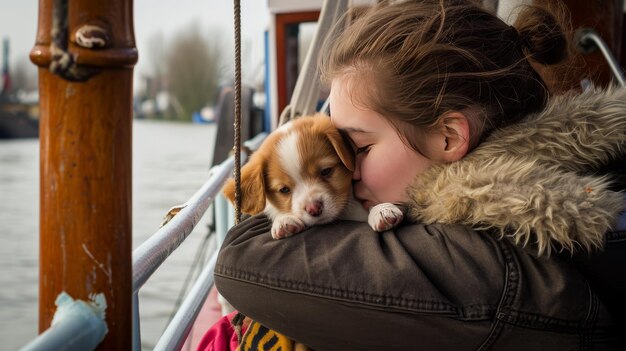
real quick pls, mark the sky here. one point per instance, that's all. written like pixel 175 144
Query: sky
pixel 18 22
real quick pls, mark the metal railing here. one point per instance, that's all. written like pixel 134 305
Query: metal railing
pixel 80 325
pixel 153 252
pixel 77 325
pixel 588 40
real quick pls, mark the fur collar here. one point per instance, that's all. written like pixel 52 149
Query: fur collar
pixel 530 181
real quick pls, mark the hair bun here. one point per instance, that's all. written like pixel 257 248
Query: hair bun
pixel 541 35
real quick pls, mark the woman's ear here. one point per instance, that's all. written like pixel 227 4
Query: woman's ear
pixel 455 132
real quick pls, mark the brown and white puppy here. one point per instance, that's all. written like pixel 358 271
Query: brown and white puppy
pixel 301 176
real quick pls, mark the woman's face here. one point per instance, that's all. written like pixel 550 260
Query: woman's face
pixel 384 165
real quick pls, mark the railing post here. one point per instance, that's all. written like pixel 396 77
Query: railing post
pixel 605 17
pixel 85 157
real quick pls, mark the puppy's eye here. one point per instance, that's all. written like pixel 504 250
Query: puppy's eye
pixel 284 190
pixel 326 172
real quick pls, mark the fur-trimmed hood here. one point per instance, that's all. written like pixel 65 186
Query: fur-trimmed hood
pixel 532 181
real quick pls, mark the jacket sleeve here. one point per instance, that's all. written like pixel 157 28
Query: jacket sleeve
pixel 606 271
pixel 343 286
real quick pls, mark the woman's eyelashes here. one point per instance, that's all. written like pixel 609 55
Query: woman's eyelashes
pixel 362 149
pixel 355 144
pixel 357 149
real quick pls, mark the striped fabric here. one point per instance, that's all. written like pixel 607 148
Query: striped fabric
pixel 260 338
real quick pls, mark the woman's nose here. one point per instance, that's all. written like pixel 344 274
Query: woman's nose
pixel 356 175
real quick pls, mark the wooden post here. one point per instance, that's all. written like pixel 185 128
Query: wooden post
pixel 85 162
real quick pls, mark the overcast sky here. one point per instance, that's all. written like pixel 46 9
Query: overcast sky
pixel 18 22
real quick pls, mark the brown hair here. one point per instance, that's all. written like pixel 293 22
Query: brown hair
pixel 413 61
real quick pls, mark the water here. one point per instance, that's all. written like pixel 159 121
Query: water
pixel 170 162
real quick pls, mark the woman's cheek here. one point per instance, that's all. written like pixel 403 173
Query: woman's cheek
pixel 374 172
pixel 367 171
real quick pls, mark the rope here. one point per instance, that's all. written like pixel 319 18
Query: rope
pixel 237 322
pixel 237 123
pixel 63 62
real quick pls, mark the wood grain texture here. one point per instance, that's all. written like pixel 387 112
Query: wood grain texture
pixel 86 172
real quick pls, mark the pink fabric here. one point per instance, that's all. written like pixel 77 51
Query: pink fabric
pixel 221 336
pixel 210 313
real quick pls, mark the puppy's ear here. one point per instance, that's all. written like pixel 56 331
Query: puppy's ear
pixel 229 190
pixel 342 148
pixel 252 188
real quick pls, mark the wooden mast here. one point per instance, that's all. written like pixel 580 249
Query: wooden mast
pixel 85 158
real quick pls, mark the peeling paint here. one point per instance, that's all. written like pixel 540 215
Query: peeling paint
pixel 65 302
pixel 68 309
pixel 103 268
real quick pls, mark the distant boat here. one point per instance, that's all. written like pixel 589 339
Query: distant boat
pixel 16 122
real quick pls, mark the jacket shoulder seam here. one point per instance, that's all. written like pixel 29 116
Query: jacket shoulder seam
pixel 354 296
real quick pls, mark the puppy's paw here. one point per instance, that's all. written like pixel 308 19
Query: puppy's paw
pixel 284 226
pixel 384 216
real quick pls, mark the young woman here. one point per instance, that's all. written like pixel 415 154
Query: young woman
pixel 417 84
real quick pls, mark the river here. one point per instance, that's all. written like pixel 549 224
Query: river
pixel 170 162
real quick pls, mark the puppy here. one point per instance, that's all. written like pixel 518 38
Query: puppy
pixel 301 176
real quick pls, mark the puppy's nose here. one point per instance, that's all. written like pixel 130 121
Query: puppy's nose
pixel 314 208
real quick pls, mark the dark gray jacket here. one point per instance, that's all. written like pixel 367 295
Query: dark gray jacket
pixel 423 287
pixel 448 287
